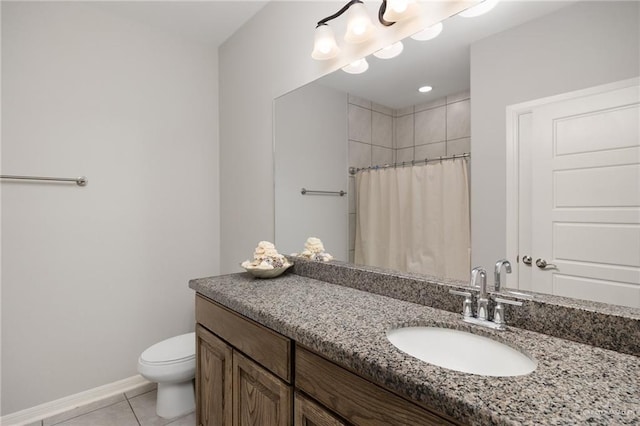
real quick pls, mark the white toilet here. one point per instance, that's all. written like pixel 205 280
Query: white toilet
pixel 172 364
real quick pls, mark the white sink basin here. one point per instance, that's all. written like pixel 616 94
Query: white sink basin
pixel 461 351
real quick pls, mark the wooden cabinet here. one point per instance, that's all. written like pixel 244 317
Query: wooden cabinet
pixel 355 399
pixel 308 413
pixel 263 345
pixel 243 370
pixel 245 377
pixel 259 398
pixel 214 368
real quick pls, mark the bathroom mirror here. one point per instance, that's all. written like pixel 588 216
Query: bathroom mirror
pixel 312 143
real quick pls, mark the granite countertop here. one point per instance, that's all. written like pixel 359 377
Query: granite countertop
pixel 573 384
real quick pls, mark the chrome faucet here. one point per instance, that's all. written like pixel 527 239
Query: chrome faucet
pixel 479 281
pixel 483 302
pixel 498 270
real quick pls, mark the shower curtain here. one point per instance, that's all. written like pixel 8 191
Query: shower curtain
pixel 415 218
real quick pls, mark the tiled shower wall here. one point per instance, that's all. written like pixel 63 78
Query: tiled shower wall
pixel 379 135
pixel 437 128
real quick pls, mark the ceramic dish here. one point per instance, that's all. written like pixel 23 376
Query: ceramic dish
pixel 268 273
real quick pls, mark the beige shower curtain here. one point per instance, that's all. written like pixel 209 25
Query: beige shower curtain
pixel 415 219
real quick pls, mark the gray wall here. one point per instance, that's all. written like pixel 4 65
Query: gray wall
pixel 260 62
pixel 311 152
pixel 583 45
pixel 92 276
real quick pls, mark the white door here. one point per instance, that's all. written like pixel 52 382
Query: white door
pixel 585 198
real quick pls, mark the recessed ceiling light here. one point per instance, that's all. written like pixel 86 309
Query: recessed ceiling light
pixel 425 89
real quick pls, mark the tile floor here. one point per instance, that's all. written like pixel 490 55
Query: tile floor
pixel 135 408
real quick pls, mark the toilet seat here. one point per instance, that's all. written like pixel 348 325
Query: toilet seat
pixel 175 350
pixel 172 362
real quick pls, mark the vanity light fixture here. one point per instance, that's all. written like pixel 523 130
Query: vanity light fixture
pixel 479 9
pixel 425 89
pixel 397 10
pixel 390 51
pixel 357 67
pixel 360 28
pixel 359 25
pixel 428 33
pixel 324 45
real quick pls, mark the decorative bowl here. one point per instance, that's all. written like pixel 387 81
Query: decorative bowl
pixel 268 273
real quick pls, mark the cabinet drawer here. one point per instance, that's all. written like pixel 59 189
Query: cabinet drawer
pixel 268 348
pixel 355 399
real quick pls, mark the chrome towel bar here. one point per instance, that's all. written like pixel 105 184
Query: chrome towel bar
pixel 304 191
pixel 80 181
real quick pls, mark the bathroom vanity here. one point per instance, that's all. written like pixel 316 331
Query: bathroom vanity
pixel 304 351
pixel 231 385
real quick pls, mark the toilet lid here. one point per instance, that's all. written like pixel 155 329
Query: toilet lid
pixel 172 349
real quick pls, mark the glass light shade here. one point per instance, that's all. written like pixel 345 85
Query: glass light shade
pixel 357 67
pixel 428 33
pixel 425 89
pixel 390 51
pixel 479 9
pixel 359 25
pixel 324 45
pixel 397 10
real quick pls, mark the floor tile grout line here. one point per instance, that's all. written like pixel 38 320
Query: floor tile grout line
pixel 133 411
pixel 129 403
pixel 140 394
pixel 83 414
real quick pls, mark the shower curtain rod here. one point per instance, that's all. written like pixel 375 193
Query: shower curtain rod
pixel 354 170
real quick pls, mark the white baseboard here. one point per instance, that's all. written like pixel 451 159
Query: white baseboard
pixel 48 409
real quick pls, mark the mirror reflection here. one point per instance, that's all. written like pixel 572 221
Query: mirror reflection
pixel 379 119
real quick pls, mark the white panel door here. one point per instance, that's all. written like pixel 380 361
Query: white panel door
pixel 585 195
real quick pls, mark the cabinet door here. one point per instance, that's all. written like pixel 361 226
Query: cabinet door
pixel 308 413
pixel 214 374
pixel 259 397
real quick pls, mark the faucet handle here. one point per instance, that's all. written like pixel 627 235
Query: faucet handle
pixel 517 294
pixel 498 311
pixel 507 301
pixel 467 310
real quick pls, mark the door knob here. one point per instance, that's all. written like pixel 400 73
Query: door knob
pixel 542 264
pixel 526 260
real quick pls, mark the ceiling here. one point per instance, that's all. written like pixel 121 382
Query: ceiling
pixel 209 22
pixel 442 63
